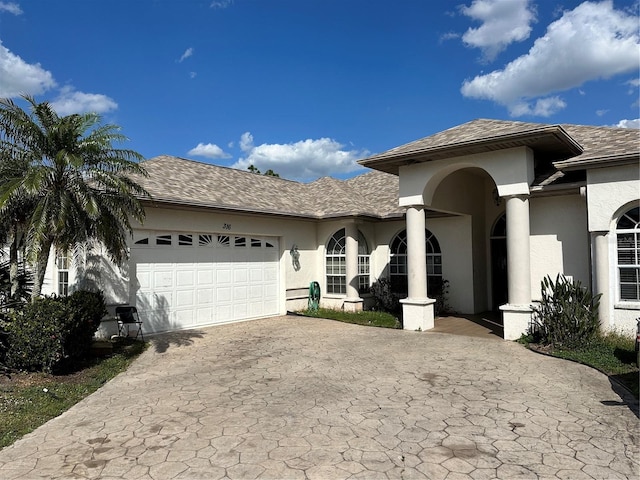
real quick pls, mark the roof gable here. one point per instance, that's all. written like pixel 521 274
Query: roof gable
pixel 552 143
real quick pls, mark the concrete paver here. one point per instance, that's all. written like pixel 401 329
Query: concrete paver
pixel 300 398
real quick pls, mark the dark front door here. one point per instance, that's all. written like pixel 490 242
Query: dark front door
pixel 499 285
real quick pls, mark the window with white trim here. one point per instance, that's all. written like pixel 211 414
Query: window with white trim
pixel 62 264
pixel 364 265
pixel 628 255
pixel 336 264
pixel 398 263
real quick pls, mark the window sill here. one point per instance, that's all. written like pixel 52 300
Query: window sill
pixel 627 306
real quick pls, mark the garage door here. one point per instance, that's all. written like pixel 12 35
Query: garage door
pixel 187 280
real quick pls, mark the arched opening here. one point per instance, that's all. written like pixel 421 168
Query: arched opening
pixel 499 276
pixel 398 264
pixel 336 264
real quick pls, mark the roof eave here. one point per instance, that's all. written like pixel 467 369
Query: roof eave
pixel 566 145
pixel 597 162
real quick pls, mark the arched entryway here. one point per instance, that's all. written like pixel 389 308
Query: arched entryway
pixel 499 275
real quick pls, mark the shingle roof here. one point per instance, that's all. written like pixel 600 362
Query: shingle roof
pixel 602 144
pixel 567 145
pixel 186 182
pixel 374 194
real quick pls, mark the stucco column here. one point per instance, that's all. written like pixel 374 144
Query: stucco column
pixel 517 313
pixel 353 302
pixel 417 308
pixel 518 251
pixel 416 253
pixel 600 262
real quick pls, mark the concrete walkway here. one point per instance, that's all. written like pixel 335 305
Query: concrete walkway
pixel 299 398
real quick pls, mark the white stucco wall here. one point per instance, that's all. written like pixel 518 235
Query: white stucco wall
pixel 559 239
pixel 455 237
pixel 609 189
pixel 511 170
pixel 610 192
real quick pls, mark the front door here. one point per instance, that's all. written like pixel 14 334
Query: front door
pixel 499 280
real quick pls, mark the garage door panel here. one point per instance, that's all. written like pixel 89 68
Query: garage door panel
pixel 204 316
pixel 240 293
pixel 184 298
pixel 184 318
pixel 205 295
pixel 185 278
pixel 223 275
pixel 205 276
pixel 256 274
pixel 240 311
pixel 223 294
pixel 162 279
pixel 204 282
pixel 240 274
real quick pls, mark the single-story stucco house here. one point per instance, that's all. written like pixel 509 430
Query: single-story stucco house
pixel 489 206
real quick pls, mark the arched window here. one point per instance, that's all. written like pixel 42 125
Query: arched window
pixel 628 255
pixel 336 264
pixel 398 263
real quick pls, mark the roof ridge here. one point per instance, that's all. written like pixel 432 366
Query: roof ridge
pixel 216 166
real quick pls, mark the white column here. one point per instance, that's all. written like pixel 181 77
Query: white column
pixel 517 313
pixel 417 309
pixel 353 302
pixel 416 253
pixel 518 251
pixel 600 262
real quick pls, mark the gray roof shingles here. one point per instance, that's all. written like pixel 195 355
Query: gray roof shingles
pixel 186 182
pixel 595 142
pixel 374 194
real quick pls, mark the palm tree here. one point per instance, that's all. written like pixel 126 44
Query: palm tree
pixel 79 187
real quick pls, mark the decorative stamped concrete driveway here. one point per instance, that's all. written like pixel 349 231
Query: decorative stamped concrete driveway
pixel 299 398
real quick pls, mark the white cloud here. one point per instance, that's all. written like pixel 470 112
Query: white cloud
pixel 193 74
pixel 209 150
pixel 601 112
pixel 19 77
pixel 303 160
pixel 220 4
pixel 629 123
pixel 10 7
pixel 246 142
pixel 543 107
pixel 71 101
pixel 593 41
pixel 503 22
pixel 187 53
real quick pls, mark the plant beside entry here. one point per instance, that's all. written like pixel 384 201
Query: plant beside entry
pixel 566 325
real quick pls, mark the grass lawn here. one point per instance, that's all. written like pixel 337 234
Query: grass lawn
pixel 374 319
pixel 612 354
pixel 28 400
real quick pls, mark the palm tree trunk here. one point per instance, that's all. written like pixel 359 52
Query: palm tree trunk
pixel 13 262
pixel 42 260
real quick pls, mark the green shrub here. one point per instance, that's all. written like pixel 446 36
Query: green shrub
pixel 52 330
pixel 442 299
pixel 567 316
pixel 385 299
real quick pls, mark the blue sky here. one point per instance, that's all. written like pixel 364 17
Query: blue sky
pixel 307 87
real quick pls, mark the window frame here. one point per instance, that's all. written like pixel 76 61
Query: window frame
pixel 336 264
pixel 632 248
pixel 398 262
pixel 63 262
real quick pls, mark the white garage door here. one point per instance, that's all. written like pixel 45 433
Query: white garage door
pixel 187 280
